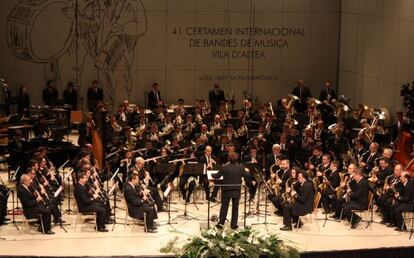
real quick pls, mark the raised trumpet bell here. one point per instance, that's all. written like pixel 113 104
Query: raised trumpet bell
pixel 293 97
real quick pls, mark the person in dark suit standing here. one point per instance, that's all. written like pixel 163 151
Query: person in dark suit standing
pixel 232 174
pixel 303 93
pixel 94 96
pixel 356 198
pixel 327 94
pixel 138 204
pixel 216 96
pixel 154 96
pixel 87 202
pixel 398 126
pixel 302 203
pixel 33 203
pixel 403 202
pixel 50 94
pixel 23 101
pixel 7 98
pixel 70 96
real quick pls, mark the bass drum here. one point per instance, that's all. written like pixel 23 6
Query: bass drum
pixel 39 30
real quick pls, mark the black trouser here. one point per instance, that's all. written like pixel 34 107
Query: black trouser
pixel 54 209
pixel 277 201
pixel 3 207
pixel 46 216
pixel 156 197
pixel 252 185
pixel 101 215
pixel 328 197
pixel 151 214
pixel 190 189
pixel 225 200
pixel 398 210
pixel 288 215
pixel 346 208
pixel 206 185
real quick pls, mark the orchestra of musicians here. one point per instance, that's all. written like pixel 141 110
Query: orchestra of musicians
pixel 293 150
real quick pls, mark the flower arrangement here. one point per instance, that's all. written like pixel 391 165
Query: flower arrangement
pixel 227 243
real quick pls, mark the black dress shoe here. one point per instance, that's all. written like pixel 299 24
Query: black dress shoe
pixel 355 224
pixel 102 230
pixel 384 222
pixel 235 228
pixel 401 230
pixel 286 228
pixel 162 209
pixel 50 232
pixel 7 219
pixel 187 200
pixel 213 199
pixel 3 223
pixel 219 226
pixel 152 230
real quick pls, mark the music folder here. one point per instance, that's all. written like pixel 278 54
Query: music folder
pixel 210 174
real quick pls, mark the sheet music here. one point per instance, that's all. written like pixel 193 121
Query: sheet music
pixel 168 190
pixel 212 172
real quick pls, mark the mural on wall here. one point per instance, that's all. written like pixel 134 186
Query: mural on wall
pixel 101 32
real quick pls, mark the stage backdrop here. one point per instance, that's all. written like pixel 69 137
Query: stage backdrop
pixel 377 53
pixel 257 48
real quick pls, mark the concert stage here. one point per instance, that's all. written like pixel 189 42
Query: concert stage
pixel 333 240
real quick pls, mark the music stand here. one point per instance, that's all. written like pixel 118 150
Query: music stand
pixel 266 201
pixel 253 170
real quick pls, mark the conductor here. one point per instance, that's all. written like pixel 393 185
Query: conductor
pixel 232 174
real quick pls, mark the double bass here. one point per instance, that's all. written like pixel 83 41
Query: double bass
pixel 403 150
pixel 97 149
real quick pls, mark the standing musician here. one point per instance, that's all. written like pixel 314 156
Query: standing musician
pixel 331 181
pixel 33 203
pixel 232 174
pixel 301 203
pixel 138 201
pixel 87 201
pixel 154 96
pixel 50 94
pixel 303 93
pixel 356 198
pixel 216 96
pixel 94 96
pixel 402 202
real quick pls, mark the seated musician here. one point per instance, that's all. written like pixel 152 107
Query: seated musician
pixel 41 184
pixel 402 202
pixel 278 198
pixel 254 158
pixel 271 159
pixel 210 161
pixel 369 158
pixel 88 201
pixel 386 195
pixel 33 203
pixel 356 198
pixel 328 192
pixel 146 180
pixel 138 202
pixel 300 205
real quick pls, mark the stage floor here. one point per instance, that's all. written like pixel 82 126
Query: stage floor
pixel 133 241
